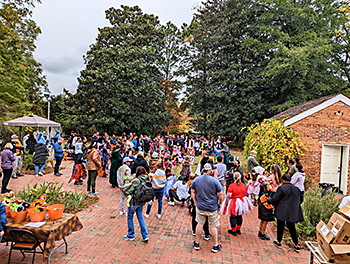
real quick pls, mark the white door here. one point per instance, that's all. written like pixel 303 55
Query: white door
pixel 331 156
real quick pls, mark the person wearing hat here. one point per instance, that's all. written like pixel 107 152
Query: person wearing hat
pixel 7 159
pixel 17 151
pixel 207 195
pixel 251 162
pixel 94 164
pixel 122 172
pixel 288 211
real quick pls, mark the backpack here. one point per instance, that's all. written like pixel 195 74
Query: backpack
pixel 144 192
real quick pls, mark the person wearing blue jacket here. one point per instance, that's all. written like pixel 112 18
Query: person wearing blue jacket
pixel 58 155
pixel 3 220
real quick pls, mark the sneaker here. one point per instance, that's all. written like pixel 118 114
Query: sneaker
pixel 40 173
pixel 182 204
pixel 239 232
pixel 145 239
pixel 216 248
pixel 264 237
pixel 196 245
pixel 277 244
pixel 146 215
pixel 193 234
pixel 58 174
pixel 20 174
pixel 121 213
pixel 78 183
pixel 36 175
pixel 95 193
pixel 128 238
pixel 159 216
pixel 232 233
pixel 14 177
pixel 207 237
pixel 171 203
pixel 297 249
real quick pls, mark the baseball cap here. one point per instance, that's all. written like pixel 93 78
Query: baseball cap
pixel 207 166
pixel 253 152
pixel 127 159
pixel 154 155
pixel 14 136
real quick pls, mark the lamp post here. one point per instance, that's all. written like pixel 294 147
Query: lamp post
pixel 48 98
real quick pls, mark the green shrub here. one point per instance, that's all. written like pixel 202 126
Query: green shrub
pixel 233 144
pixel 28 161
pixel 73 201
pixel 316 208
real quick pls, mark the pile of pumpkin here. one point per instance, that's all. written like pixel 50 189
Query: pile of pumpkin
pixel 17 209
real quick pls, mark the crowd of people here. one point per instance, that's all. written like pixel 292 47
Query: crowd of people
pixel 142 168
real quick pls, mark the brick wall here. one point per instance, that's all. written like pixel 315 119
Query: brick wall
pixel 328 126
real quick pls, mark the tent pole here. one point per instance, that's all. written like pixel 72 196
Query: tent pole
pixel 20 133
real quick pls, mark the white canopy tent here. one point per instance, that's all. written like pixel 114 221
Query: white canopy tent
pixel 32 121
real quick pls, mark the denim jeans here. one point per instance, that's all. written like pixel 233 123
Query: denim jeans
pixel 159 194
pixel 41 168
pixel 131 210
pixel 57 164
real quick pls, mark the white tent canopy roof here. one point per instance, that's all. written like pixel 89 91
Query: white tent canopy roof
pixel 32 121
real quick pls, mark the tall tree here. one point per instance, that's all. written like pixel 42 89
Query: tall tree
pixel 119 91
pixel 224 88
pixel 169 66
pixel 21 78
pixel 250 59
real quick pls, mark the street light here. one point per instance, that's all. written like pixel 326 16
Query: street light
pixel 48 98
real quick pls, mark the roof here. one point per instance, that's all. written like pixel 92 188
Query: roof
pixel 303 110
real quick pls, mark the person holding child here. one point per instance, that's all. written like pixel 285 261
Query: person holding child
pixel 136 207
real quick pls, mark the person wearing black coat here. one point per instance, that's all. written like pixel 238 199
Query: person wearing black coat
pixel 287 210
pixel 39 158
pixel 140 161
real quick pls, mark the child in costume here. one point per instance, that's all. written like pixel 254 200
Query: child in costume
pixel 127 183
pixel 236 204
pixel 253 188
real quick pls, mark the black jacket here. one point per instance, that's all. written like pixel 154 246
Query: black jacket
pixel 140 161
pixel 287 203
pixel 40 154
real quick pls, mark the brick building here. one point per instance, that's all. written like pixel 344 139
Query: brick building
pixel 324 125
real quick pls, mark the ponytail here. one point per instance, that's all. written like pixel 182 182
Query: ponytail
pixel 237 177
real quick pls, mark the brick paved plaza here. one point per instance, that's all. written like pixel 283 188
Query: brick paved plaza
pixel 100 241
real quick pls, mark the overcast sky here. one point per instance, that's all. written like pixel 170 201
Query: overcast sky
pixel 69 27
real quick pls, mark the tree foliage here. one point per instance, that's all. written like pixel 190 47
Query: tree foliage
pixel 249 60
pixel 21 78
pixel 120 91
pixel 273 142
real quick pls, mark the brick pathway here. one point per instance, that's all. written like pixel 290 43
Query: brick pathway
pixel 171 239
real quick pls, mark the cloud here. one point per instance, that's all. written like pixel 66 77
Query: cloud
pixel 64 65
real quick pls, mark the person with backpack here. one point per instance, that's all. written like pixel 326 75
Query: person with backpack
pixel 158 180
pixel 138 184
